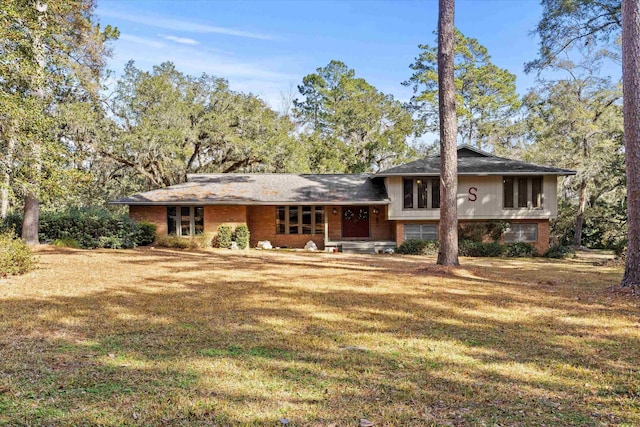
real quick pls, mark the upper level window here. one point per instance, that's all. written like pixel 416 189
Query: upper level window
pixel 522 192
pixel 185 220
pixel 299 220
pixel 423 193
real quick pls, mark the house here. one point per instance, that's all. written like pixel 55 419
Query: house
pixel 358 212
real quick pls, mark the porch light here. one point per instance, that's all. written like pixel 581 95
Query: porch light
pixel 376 211
pixel 335 211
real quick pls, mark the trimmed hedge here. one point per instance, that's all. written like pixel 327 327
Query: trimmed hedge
pixel 90 228
pixel 418 247
pixel 520 249
pixel 242 236
pixel 480 249
pixel 15 255
pixel 225 236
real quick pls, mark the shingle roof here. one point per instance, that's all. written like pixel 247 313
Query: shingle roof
pixel 244 189
pixel 472 161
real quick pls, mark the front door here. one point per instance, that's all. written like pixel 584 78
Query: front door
pixel 355 221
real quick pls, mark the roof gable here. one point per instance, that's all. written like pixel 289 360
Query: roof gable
pixel 472 161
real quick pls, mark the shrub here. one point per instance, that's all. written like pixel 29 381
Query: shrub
pixel 418 247
pixel 146 233
pixel 520 249
pixel 90 228
pixel 480 249
pixel 242 236
pixel 66 242
pixel 473 231
pixel 559 251
pixel 496 229
pixel 225 236
pixel 15 255
pixel 174 242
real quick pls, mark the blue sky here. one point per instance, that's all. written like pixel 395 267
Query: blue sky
pixel 266 47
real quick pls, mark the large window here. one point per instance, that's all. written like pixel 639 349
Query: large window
pixel 299 220
pixel 185 220
pixel 421 231
pixel 522 192
pixel 423 193
pixel 521 233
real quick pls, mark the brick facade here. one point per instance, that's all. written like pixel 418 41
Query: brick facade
pixel 262 224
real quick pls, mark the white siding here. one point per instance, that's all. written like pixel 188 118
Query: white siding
pixel 488 204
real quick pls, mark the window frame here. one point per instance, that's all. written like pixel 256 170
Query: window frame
pixel 520 235
pixel 418 200
pixel 421 232
pixel 317 212
pixel 196 228
pixel 519 183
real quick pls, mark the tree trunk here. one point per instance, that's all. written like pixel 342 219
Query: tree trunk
pixel 631 108
pixel 582 204
pixel 4 209
pixel 448 228
pixel 31 217
pixel 30 221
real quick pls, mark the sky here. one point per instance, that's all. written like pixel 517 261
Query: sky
pixel 267 47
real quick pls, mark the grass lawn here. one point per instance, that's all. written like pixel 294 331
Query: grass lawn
pixel 162 337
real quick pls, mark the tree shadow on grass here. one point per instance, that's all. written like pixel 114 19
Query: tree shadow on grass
pixel 244 340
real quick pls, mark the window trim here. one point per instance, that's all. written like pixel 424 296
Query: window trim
pixel 515 196
pixel 178 220
pixel 300 226
pixel 519 234
pixel 427 182
pixel 421 232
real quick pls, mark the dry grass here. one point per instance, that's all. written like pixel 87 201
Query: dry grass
pixel 164 337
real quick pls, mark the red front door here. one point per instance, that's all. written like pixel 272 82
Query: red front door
pixel 355 221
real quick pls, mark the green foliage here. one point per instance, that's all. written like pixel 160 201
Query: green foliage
pixel 477 231
pixel 486 98
pixel 520 249
pixel 146 233
pixel 176 242
pixel 15 255
pixel 353 127
pixel 90 228
pixel 225 236
pixel 559 251
pixel 66 242
pixel 474 231
pixel 567 23
pixel 481 249
pixel 418 247
pixel 576 123
pixel 241 236
pixel 53 54
pixel 169 124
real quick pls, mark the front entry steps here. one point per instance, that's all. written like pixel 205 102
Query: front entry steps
pixel 363 247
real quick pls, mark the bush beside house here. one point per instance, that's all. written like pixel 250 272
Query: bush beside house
pixel 15 255
pixel 88 228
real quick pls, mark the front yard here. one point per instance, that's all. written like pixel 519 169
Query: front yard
pixel 163 337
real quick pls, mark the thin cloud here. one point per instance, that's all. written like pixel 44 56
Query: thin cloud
pixel 183 26
pixel 140 40
pixel 181 40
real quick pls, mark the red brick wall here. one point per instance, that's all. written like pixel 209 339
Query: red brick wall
pixel 154 214
pixel 217 215
pixel 262 226
pixel 380 228
pixel 213 216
